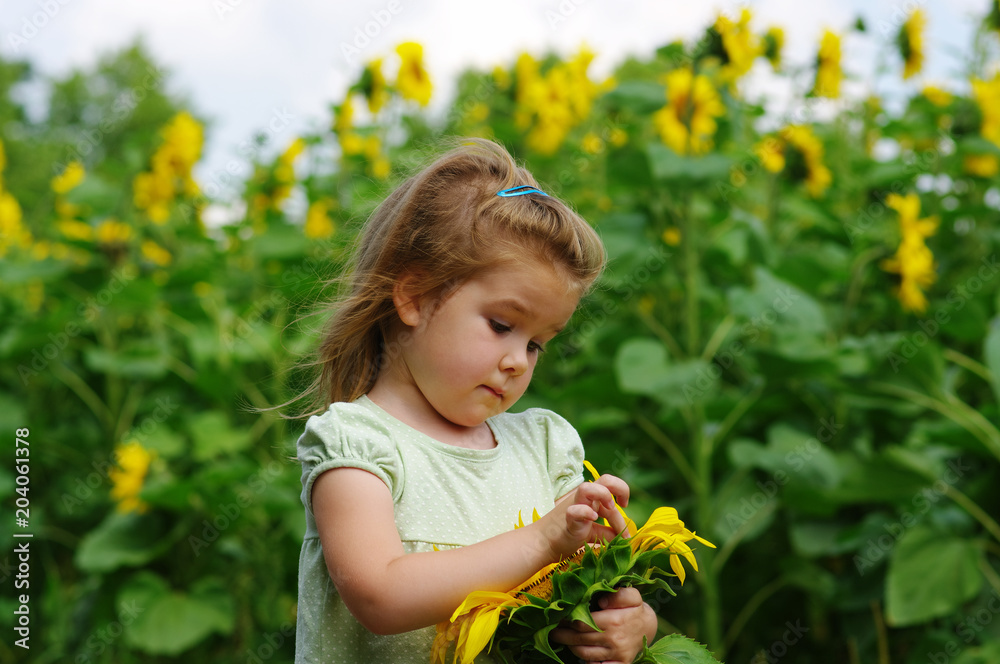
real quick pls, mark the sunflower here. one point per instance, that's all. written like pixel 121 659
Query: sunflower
pixel 69 179
pixel 373 86
pixel 798 152
pixel 565 590
pixel 911 43
pixel 828 71
pixel 740 45
pixel 774 43
pixel 413 82
pixel 318 224
pixel 687 123
pixel 913 260
pixel 550 104
pixel 128 475
pixel 169 175
pixel 936 95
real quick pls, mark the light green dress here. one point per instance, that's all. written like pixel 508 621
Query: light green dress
pixel 443 495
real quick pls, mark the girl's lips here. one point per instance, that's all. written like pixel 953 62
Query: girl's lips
pixel 496 393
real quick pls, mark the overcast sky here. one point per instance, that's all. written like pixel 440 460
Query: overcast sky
pixel 241 62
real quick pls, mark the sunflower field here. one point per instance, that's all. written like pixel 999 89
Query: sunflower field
pixel 796 343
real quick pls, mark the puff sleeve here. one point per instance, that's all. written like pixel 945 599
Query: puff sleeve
pixel 347 436
pixel 565 453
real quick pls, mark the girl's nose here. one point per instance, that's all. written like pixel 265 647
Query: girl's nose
pixel 515 360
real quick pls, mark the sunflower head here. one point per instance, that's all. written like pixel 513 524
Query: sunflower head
pixel 910 41
pixel 515 625
pixel 774 43
pixel 828 71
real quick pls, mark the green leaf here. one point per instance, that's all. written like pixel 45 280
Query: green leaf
pixel 122 540
pixel 169 492
pixel 619 555
pixel 978 145
pixel 142 359
pixel 641 97
pixel 668 165
pixel 988 653
pixel 776 303
pixel 542 642
pixel 280 241
pixel 568 586
pixel 170 622
pixel 743 504
pixel 95 192
pixel 931 574
pixel 582 613
pixel 991 355
pixel 12 273
pixel 628 170
pixel 622 234
pixel 965 323
pixel 803 457
pixel 166 443
pixel 677 649
pixel 811 539
pixel 214 437
pixel 641 365
pixel 875 479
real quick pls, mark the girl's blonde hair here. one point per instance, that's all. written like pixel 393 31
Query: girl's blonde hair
pixel 444 224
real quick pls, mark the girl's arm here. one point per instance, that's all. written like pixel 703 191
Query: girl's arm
pixel 390 592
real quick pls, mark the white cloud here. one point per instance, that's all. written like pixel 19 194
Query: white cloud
pixel 241 67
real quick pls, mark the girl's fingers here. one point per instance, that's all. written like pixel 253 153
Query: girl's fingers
pixel 617 486
pixel 623 598
pixel 615 520
pixel 581 513
pixel 592 492
pixel 600 498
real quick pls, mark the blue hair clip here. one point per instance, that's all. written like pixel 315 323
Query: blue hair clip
pixel 520 191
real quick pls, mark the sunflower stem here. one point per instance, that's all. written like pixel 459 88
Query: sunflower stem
pixel 701 443
pixel 881 632
pixel 747 612
pixel 668 445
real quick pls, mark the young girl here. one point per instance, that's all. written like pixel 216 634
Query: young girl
pixel 413 475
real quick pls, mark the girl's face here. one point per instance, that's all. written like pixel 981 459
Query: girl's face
pixel 470 356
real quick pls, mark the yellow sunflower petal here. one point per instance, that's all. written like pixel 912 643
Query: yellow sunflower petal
pixel 479 633
pixel 675 564
pixel 481 598
pixel 704 541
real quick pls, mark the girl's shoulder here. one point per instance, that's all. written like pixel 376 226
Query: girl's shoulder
pixel 550 438
pixel 533 418
pixel 358 413
pixel 350 435
pixel 537 424
pixel 348 423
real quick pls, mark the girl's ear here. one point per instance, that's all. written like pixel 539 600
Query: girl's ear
pixel 407 300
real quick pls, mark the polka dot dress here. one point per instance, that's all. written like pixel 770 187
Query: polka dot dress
pixel 443 496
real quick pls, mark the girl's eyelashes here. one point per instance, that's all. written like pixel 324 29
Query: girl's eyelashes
pixel 501 328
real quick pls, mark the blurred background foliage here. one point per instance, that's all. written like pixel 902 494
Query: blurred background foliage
pixel 796 342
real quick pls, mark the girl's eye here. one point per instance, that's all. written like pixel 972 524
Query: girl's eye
pixel 534 347
pixel 499 327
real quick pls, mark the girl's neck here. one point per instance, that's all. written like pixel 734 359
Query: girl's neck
pixel 429 422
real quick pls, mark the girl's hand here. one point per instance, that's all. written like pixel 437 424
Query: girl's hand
pixel 573 522
pixel 625 619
